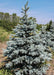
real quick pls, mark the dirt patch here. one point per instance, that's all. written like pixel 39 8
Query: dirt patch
pixel 2 45
pixel 51 68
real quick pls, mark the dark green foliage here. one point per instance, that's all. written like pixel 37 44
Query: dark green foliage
pixel 5 72
pixel 39 26
pixel 1 15
pixel 49 25
pixel 7 25
pixel 8 21
pixel 32 18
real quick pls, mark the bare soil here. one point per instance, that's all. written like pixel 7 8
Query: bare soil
pixel 2 46
pixel 51 68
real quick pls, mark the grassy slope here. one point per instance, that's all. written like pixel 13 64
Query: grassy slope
pixel 4 35
pixel 5 72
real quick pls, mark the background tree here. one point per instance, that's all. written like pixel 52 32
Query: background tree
pixel 49 25
pixel 39 26
pixel 8 21
pixel 14 17
pixel 6 16
pixel 32 18
pixel 1 15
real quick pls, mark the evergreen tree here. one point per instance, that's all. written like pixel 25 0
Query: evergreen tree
pixel 49 25
pixel 14 18
pixel 25 52
pixel 6 17
pixel 50 36
pixel 1 15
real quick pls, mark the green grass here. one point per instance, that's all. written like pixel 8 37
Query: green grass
pixel 4 35
pixel 5 72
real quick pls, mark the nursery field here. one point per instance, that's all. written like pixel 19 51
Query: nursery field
pixel 28 48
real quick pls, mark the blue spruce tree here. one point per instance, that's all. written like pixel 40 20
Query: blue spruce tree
pixel 25 51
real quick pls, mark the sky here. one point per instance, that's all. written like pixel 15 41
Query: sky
pixel 42 10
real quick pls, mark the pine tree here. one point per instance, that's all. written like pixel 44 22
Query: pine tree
pixel 26 54
pixel 50 37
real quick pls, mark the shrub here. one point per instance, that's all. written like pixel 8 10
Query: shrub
pixel 5 72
